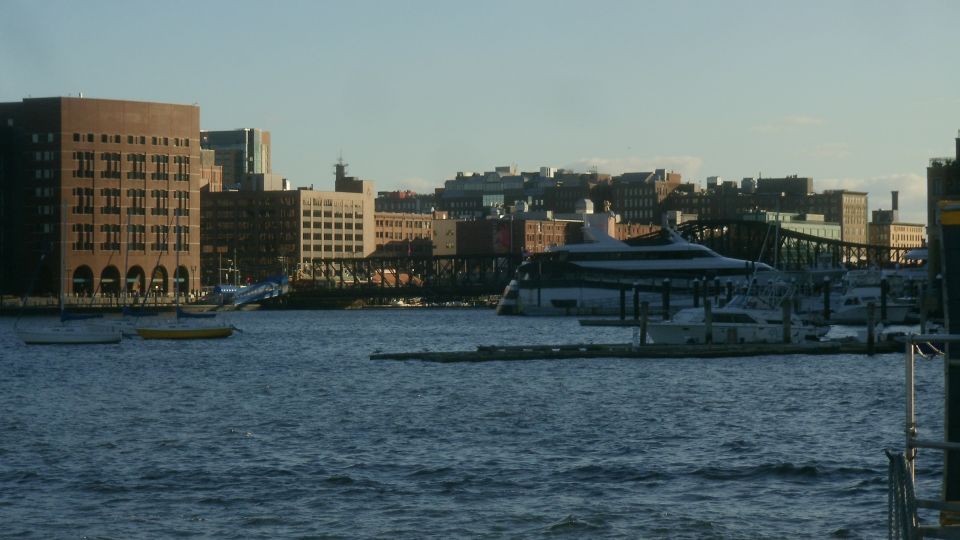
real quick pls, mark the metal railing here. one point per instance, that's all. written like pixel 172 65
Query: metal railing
pixel 903 519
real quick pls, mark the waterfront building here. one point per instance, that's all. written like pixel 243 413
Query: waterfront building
pixel 405 202
pixel 886 229
pixel 116 181
pixel 267 232
pixel 849 208
pixel 637 196
pixel 514 235
pixel 239 152
pixel 400 234
pixel 791 194
pixel 445 236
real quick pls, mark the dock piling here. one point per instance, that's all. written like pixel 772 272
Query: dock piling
pixel 644 313
pixel 623 303
pixel 666 299
pixel 884 291
pixel 787 313
pixel 826 299
pixel 871 320
pixel 708 321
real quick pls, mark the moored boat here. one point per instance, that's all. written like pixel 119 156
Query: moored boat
pixel 69 334
pixel 745 319
pixel 587 279
pixel 180 330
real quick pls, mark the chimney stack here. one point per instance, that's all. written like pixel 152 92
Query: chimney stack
pixel 896 200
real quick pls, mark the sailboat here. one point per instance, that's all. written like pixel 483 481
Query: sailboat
pixel 67 332
pixel 184 325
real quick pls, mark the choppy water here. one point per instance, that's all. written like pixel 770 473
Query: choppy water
pixel 289 430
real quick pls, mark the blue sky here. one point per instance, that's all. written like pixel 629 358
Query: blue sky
pixel 857 94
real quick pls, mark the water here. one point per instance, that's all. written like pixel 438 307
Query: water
pixel 289 430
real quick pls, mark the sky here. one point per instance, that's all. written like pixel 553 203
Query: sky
pixel 858 95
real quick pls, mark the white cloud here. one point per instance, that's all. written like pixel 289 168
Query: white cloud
pixel 419 185
pixel 831 151
pixel 912 190
pixel 789 122
pixel 688 166
pixel 800 120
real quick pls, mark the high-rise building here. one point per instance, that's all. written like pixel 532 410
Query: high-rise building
pixel 240 152
pixel 113 185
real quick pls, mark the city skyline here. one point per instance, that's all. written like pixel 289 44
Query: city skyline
pixel 856 95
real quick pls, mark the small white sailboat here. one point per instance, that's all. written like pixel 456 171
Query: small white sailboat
pixel 69 334
pixel 69 331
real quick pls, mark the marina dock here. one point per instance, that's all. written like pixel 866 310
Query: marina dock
pixel 490 353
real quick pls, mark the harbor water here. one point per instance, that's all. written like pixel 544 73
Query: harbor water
pixel 289 430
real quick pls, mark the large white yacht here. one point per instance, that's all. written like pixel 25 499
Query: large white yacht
pixel 586 279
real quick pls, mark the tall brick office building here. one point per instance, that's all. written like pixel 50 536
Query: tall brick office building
pixel 113 185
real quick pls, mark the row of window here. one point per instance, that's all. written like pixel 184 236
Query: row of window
pixel 334 249
pixel 404 223
pixel 83 237
pixel 332 225
pixel 390 235
pixel 155 140
pixel 332 214
pixel 331 237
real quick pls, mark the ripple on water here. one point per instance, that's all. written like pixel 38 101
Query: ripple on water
pixel 288 430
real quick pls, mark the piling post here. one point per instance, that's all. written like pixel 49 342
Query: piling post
pixel 729 291
pixel 948 282
pixel 716 290
pixel 623 303
pixel 636 301
pixel 787 315
pixel 826 299
pixel 666 299
pixel 696 292
pixel 708 321
pixel 644 314
pixel 884 291
pixel 922 307
pixel 871 321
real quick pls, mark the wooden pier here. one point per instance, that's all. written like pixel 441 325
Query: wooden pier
pixel 490 353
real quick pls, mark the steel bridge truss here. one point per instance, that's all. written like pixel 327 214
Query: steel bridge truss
pixel 790 250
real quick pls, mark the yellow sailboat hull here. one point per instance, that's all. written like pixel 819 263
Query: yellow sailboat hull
pixel 212 332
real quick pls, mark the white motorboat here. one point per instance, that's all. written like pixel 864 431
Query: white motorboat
pixel 851 308
pixel 587 279
pixel 745 319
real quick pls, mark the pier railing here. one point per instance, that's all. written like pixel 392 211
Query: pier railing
pixel 903 503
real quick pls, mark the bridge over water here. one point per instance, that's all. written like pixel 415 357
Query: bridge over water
pixel 792 250
pixel 459 277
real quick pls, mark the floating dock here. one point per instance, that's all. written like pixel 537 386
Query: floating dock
pixel 490 353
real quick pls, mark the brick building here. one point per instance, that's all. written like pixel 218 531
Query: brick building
pixel 113 185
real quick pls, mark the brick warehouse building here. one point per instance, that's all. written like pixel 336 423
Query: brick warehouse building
pixel 114 185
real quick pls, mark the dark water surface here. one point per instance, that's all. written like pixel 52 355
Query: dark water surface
pixel 288 430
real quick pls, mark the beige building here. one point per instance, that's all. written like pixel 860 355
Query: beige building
pixel 848 208
pixel 263 233
pixel 898 235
